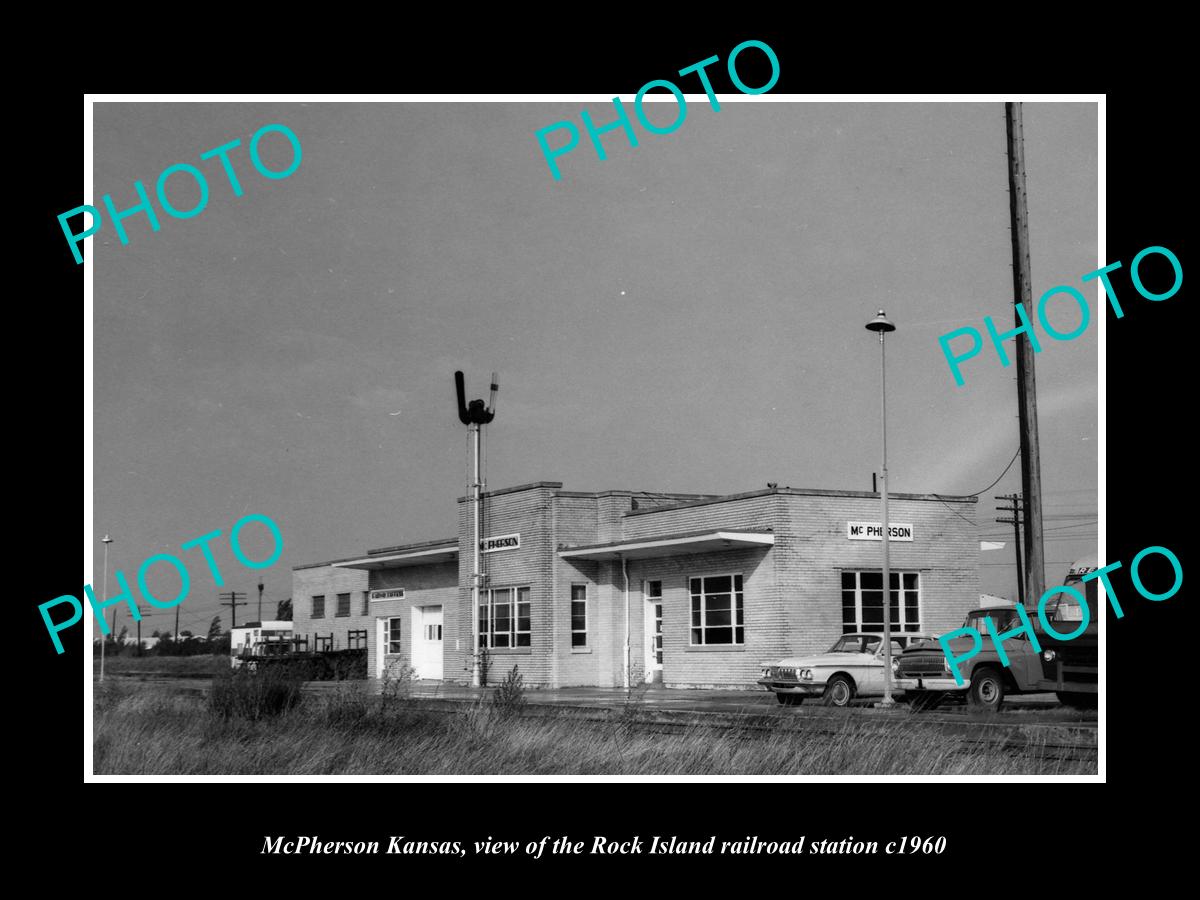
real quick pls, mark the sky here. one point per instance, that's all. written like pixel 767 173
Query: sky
pixel 685 315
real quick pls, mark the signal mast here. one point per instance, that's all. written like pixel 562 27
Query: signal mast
pixel 475 415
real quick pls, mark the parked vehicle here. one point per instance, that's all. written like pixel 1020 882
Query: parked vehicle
pixel 1068 668
pixel 851 668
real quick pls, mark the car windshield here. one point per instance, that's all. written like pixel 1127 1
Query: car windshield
pixel 856 643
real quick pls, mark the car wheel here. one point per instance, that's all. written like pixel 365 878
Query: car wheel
pixel 1077 700
pixel 789 699
pixel 923 701
pixel 987 689
pixel 839 691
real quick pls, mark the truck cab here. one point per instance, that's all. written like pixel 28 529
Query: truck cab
pixel 1068 668
pixel 1072 668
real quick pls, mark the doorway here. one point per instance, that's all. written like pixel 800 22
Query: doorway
pixel 427 642
pixel 652 617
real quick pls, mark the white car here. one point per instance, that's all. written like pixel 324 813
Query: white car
pixel 852 667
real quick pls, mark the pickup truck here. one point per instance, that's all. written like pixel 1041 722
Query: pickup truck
pixel 1068 668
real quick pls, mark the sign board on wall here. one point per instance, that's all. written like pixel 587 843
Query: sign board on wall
pixel 392 594
pixel 870 531
pixel 500 542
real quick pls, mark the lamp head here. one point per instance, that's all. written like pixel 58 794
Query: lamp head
pixel 880 323
pixel 106 539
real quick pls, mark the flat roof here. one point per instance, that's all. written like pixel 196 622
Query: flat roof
pixel 418 545
pixel 430 552
pixel 803 492
pixel 654 546
pixel 420 556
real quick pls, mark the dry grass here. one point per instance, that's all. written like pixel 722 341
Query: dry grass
pixel 155 731
pixel 179 666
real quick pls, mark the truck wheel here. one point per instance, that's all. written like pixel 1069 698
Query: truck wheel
pixel 1077 700
pixel 987 689
pixel 838 692
pixel 789 699
pixel 923 701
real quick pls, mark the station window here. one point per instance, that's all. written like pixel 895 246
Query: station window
pixel 717 615
pixel 579 615
pixel 862 601
pixel 366 603
pixel 356 639
pixel 318 606
pixel 343 605
pixel 504 619
pixel 393 636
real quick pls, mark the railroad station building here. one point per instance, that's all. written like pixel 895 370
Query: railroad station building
pixel 704 588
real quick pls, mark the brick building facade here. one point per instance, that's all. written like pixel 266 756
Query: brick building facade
pixel 702 588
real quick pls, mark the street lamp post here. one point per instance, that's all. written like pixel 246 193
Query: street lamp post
pixel 882 325
pixel 103 638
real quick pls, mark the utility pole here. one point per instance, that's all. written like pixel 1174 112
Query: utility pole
pixel 260 592
pixel 106 540
pixel 234 602
pixel 139 642
pixel 176 638
pixel 1015 521
pixel 1031 463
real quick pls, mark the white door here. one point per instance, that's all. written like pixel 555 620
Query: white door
pixel 427 642
pixel 380 645
pixel 652 618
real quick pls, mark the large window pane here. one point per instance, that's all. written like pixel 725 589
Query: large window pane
pixel 719 584
pixel 862 601
pixel 717 610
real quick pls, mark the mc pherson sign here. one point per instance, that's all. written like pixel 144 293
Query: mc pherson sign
pixel 500 542
pixel 870 531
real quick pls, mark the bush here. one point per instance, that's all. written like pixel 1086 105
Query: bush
pixel 396 685
pixel 255 694
pixel 509 697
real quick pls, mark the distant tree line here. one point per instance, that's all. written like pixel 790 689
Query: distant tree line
pixel 166 644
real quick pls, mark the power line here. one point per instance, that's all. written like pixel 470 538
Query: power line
pixel 997 481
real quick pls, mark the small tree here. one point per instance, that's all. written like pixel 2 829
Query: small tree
pixel 214 628
pixel 283 612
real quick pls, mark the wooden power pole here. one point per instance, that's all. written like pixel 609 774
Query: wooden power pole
pixel 236 599
pixel 1031 464
pixel 1015 522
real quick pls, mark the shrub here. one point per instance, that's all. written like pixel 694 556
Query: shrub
pixel 395 687
pixel 632 708
pixel 509 696
pixel 255 694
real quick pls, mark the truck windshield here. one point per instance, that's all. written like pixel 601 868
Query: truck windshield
pixel 1002 619
pixel 1066 607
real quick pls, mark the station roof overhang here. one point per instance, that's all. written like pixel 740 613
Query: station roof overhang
pixel 424 556
pixel 657 546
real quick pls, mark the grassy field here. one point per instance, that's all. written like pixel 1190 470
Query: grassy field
pixel 149 730
pixel 206 664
